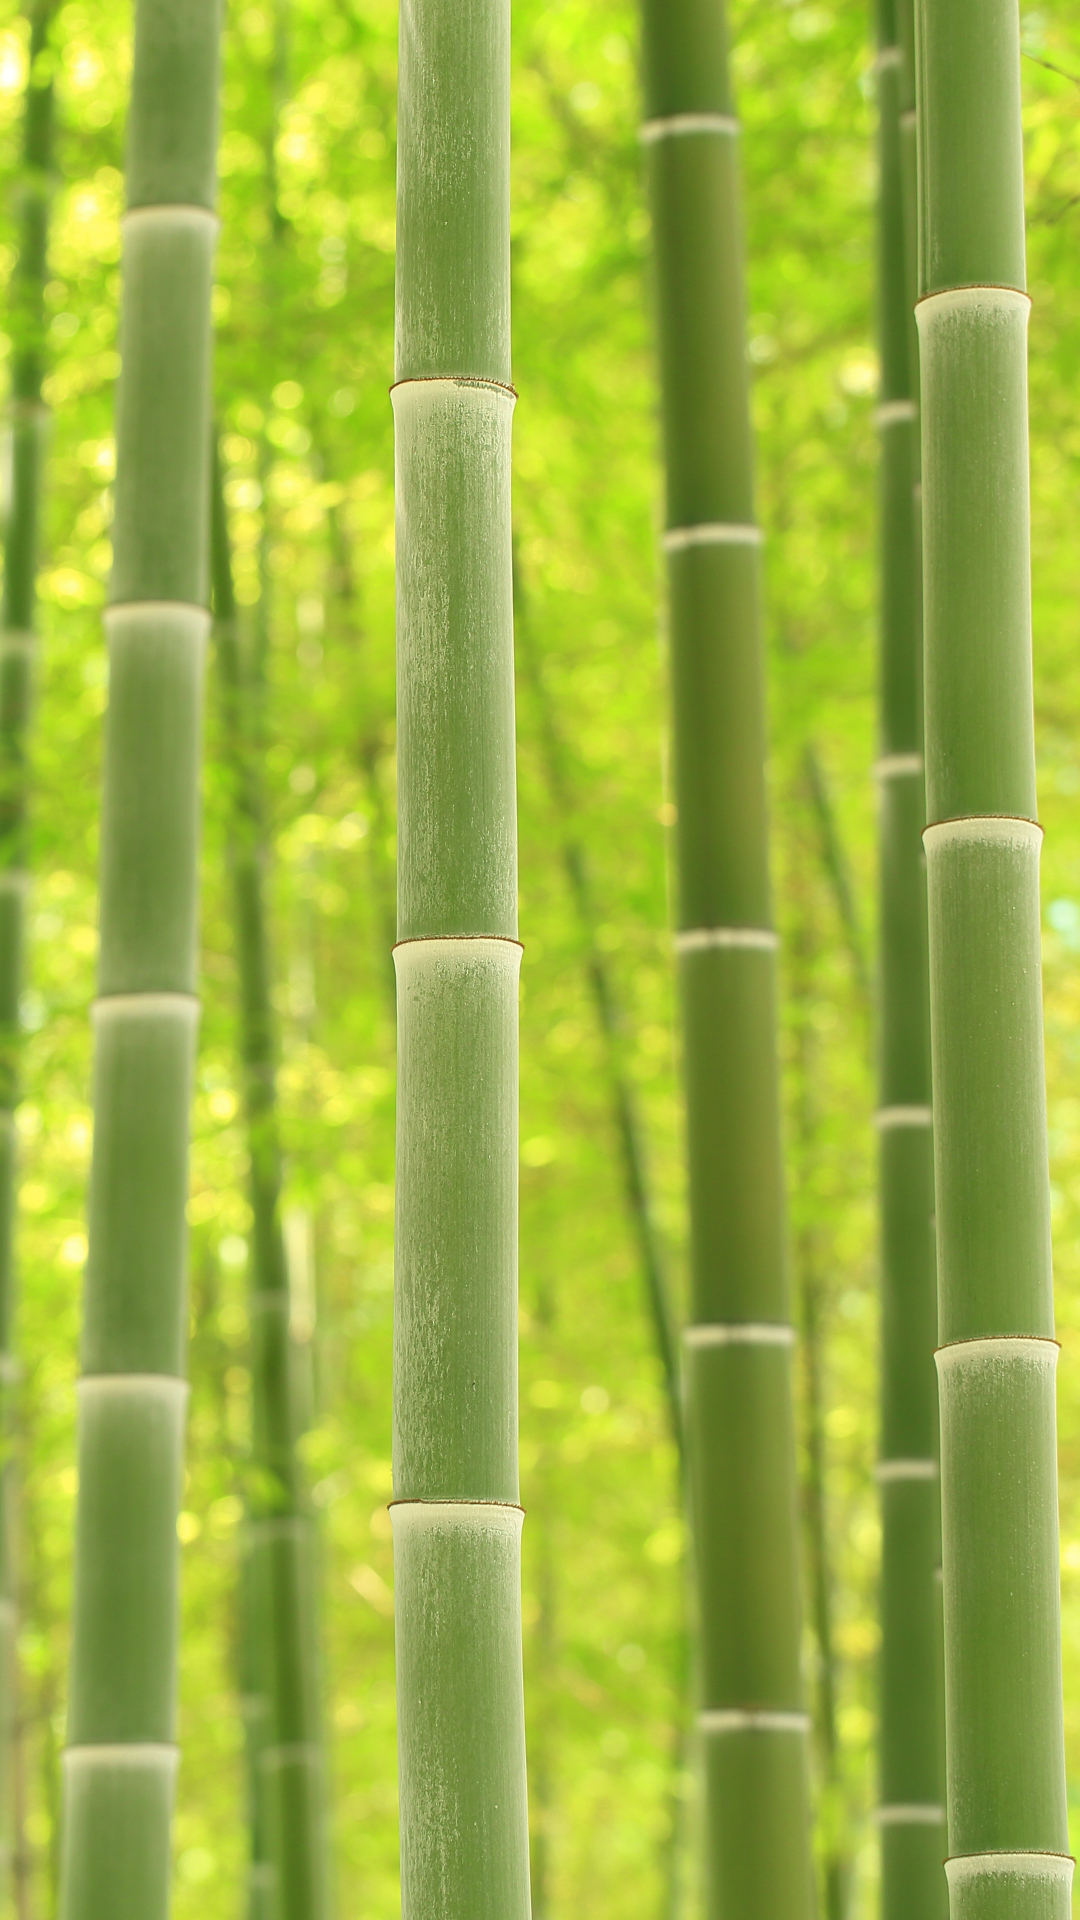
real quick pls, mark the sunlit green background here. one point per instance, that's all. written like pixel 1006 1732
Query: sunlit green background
pixel 304 325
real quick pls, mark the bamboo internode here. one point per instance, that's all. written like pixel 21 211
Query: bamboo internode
pixel 455 1514
pixel 120 1767
pixel 281 1682
pixel 738 1351
pixel 1008 1834
pixel 910 1816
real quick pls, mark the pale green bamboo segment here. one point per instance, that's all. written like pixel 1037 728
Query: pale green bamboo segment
pixel 461 1724
pixel 120 1766
pixel 1006 1771
pixel 739 1416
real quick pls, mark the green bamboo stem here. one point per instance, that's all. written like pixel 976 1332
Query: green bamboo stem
pixel 811 1297
pixel 1008 1834
pixel 369 738
pixel 609 1019
pixel 456 1517
pixel 281 1681
pixel 911 1814
pixel 18 644
pixel 121 1760
pixel 837 871
pixel 740 1417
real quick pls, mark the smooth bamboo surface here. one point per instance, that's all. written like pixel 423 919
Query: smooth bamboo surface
pixel 1008 1836
pixel 284 1720
pixel 911 1813
pixel 18 645
pixel 121 1760
pixel 738 1349
pixel 456 1518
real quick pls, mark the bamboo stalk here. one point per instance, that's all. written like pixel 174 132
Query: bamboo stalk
pixel 610 1020
pixel 1008 1834
pixel 18 645
pixel 910 1815
pixel 456 1518
pixel 740 1417
pixel 121 1759
pixel 281 1682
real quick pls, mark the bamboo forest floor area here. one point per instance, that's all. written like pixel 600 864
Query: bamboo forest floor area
pixel 303 311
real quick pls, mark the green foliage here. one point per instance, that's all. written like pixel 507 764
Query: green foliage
pixel 603 1537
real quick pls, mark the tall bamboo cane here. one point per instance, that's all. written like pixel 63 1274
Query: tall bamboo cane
pixel 609 1019
pixel 911 1816
pixel 120 1765
pixel 1008 1835
pixel 740 1422
pixel 18 640
pixel 285 1745
pixel 457 1523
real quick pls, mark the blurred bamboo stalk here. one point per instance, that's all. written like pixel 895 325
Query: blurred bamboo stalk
pixel 740 1414
pixel 18 646
pixel 281 1680
pixel 1007 1814
pixel 608 1012
pixel 456 1517
pixel 910 1815
pixel 811 1300
pixel 121 1759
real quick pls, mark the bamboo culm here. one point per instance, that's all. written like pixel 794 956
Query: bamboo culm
pixel 121 1759
pixel 738 1349
pixel 911 1814
pixel 455 1513
pixel 610 1021
pixel 284 1721
pixel 18 643
pixel 1006 1800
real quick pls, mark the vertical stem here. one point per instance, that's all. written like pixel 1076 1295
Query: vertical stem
pixel 121 1759
pixel 18 642
pixel 287 1794
pixel 457 1522
pixel 1008 1833
pixel 812 1301
pixel 609 1018
pixel 911 1815
pixel 740 1415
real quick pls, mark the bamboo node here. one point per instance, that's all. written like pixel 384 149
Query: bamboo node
pixel 956 299
pixel 147 1006
pixel 914 1814
pixel 739 1333
pixel 898 766
pixel 888 1117
pixel 888 57
pixel 134 1753
pixel 154 1386
pixel 170 213
pixel 713 533
pixel 1035 1865
pixel 1004 829
pixel 675 126
pixel 892 412
pixel 1040 1348
pixel 700 939
pixel 887 1471
pixel 751 1720
pixel 456 381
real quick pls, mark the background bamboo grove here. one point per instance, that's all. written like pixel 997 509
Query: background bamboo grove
pixel 306 438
